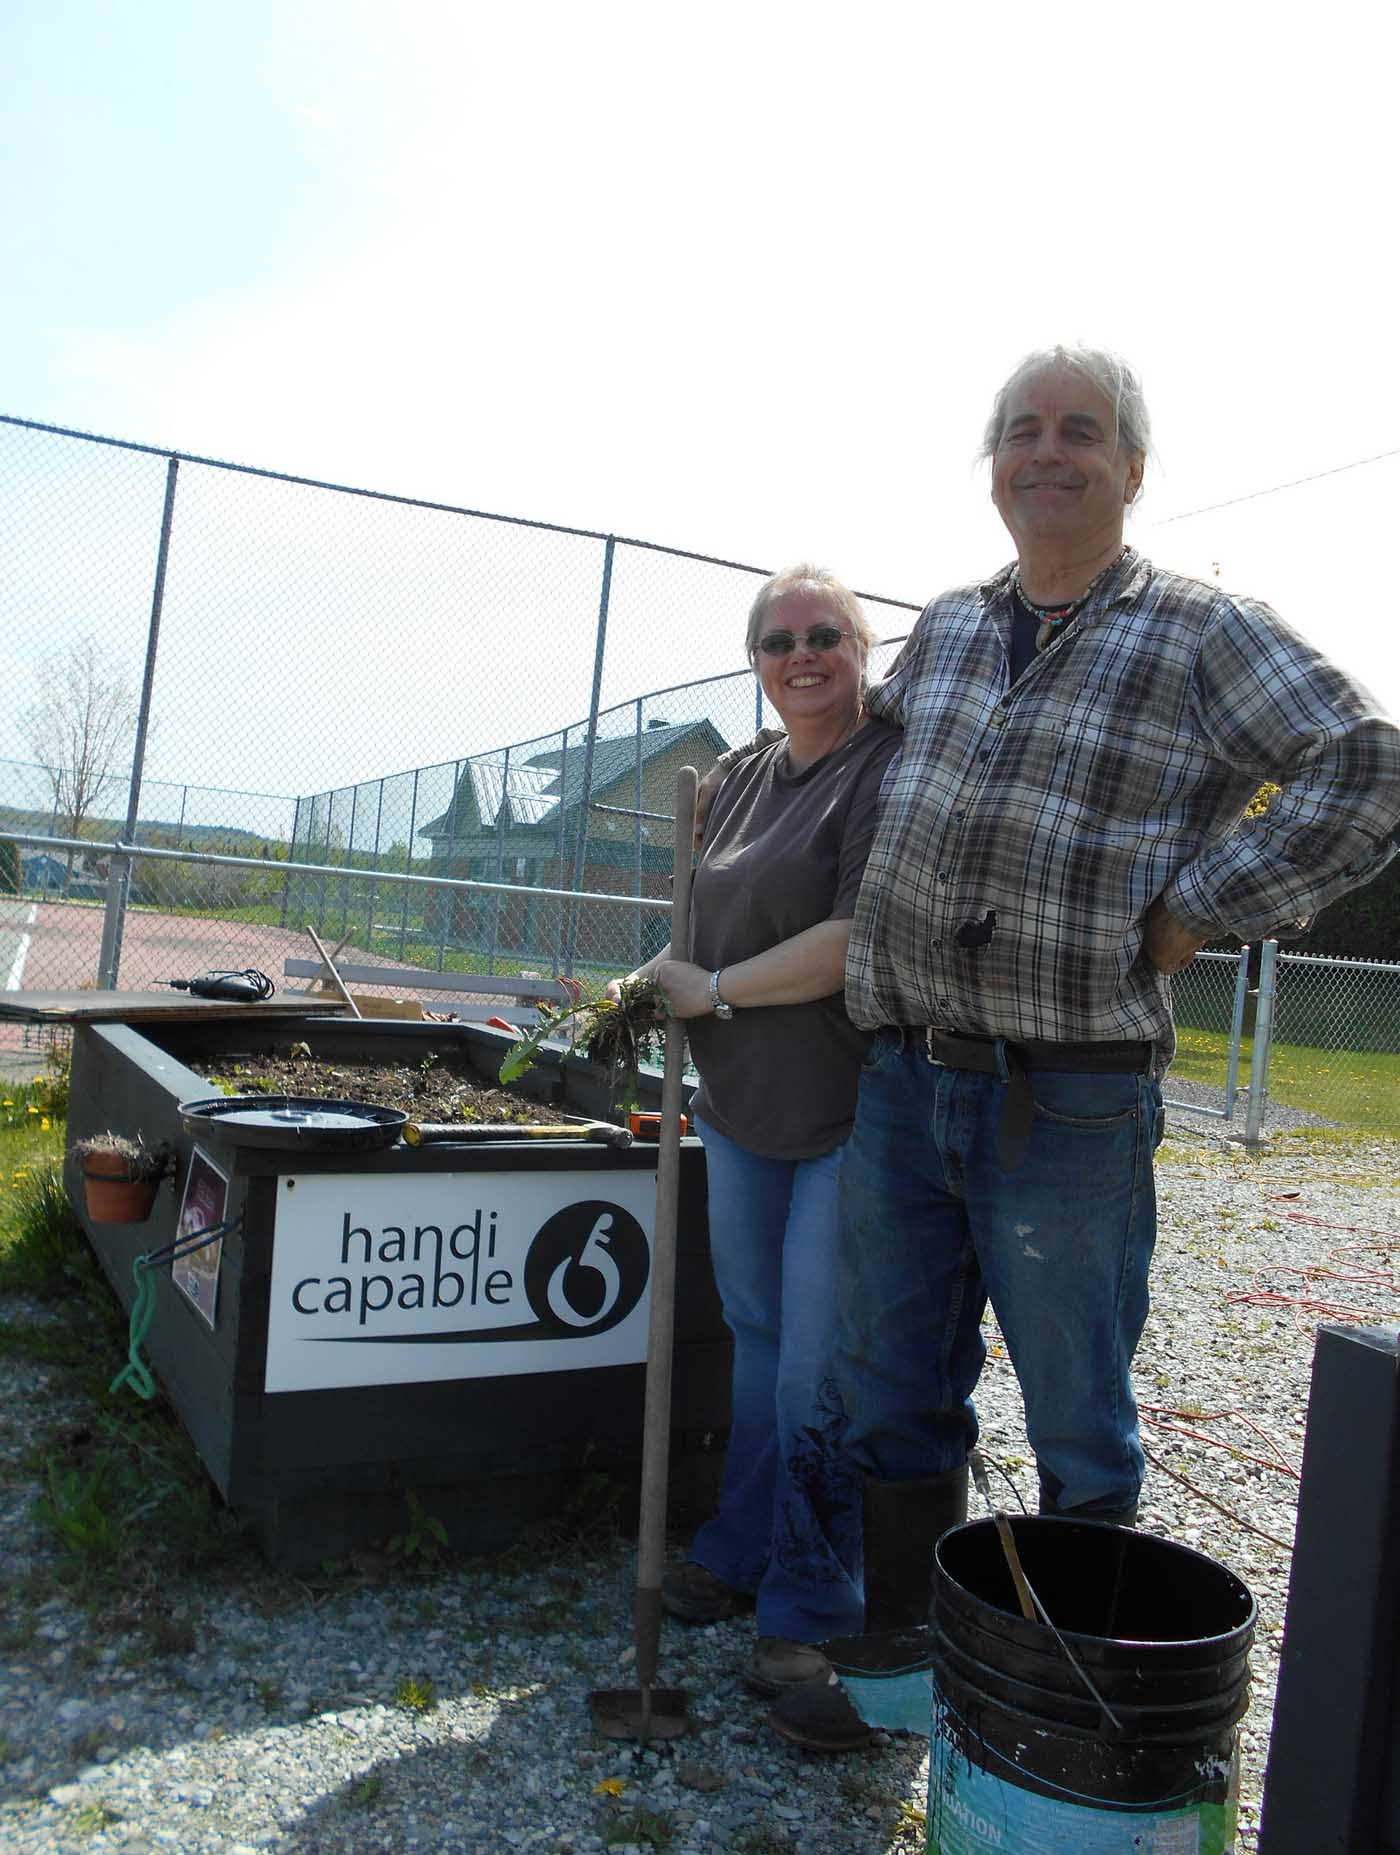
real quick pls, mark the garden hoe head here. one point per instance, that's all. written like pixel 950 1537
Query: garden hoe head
pixel 645 1711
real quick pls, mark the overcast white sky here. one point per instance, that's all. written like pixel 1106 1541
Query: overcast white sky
pixel 741 279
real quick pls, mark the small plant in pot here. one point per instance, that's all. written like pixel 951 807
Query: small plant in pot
pixel 120 1177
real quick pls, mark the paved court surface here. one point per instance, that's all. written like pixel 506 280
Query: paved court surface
pixel 54 946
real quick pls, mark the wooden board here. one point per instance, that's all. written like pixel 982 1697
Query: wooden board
pixel 132 1007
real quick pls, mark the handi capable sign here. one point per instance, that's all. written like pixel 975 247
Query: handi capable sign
pixel 401 1280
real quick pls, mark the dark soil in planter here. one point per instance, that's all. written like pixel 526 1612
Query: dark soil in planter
pixel 436 1089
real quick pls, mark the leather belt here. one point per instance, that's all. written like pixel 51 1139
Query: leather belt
pixel 999 1056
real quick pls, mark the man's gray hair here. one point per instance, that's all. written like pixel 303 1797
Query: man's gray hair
pixel 1110 373
pixel 806 578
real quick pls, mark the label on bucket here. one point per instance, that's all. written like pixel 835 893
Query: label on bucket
pixel 972 1812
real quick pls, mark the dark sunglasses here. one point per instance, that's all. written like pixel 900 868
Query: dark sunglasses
pixel 819 638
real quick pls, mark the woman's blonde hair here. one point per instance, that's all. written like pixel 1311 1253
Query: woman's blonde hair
pixel 806 578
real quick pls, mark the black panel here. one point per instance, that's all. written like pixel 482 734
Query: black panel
pixel 1333 1752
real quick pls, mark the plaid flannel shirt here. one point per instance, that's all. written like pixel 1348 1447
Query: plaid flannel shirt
pixel 1114 771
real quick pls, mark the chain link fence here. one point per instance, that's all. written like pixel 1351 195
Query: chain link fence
pixel 1335 1049
pixel 180 635
pixel 1315 1035
pixel 1209 1004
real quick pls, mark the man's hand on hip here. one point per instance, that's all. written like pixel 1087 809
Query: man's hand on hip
pixel 1166 943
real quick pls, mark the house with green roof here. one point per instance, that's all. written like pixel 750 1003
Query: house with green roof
pixel 521 823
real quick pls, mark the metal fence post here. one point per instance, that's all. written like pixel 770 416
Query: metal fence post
pixel 325 858
pixel 374 886
pixel 495 936
pixel 637 834
pixel 119 869
pixel 291 858
pixel 1232 1070
pixel 1263 1037
pixel 408 859
pixel 350 858
pixel 590 742
pixel 560 924
pixel 448 914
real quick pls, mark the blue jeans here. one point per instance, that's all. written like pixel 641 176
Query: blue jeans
pixel 788 1526
pixel 932 1228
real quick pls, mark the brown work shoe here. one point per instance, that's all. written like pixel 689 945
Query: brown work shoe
pixel 693 1593
pixel 818 1716
pixel 778 1664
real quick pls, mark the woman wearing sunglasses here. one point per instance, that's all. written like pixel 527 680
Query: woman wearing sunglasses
pixel 784 846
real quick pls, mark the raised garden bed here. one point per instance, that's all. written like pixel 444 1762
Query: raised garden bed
pixel 396 1321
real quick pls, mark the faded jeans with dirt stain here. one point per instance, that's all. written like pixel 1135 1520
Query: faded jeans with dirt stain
pixel 932 1228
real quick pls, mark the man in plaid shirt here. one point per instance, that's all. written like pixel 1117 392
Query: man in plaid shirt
pixel 1061 833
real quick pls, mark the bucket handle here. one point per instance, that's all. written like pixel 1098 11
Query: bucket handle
pixel 1031 1606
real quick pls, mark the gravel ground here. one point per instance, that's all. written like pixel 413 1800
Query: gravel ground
pixel 259 1713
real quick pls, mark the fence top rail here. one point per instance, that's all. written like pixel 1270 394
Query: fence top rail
pixel 341 872
pixel 192 785
pixel 579 726
pixel 1339 959
pixel 408 502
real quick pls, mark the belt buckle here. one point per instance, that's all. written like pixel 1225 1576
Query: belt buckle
pixel 930 1032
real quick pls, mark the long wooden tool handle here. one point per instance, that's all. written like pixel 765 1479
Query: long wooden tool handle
pixel 336 980
pixel 457 1133
pixel 656 1426
pixel 1014 1565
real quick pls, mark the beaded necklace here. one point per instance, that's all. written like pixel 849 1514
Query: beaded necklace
pixel 1051 618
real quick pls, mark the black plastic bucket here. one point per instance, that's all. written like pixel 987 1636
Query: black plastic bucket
pixel 1118 1736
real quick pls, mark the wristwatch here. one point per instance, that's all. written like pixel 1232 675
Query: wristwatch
pixel 721 1010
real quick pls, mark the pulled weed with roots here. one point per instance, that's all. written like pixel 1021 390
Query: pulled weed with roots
pixel 617 1033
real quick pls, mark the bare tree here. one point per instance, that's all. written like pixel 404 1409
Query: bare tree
pixel 79 726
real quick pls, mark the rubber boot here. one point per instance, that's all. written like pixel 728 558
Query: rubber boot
pixel 904 1521
pixel 1112 1516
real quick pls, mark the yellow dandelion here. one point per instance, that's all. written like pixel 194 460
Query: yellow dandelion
pixel 31 1109
pixel 44 1125
pixel 610 1787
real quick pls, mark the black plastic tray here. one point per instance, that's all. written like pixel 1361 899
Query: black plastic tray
pixel 296 1123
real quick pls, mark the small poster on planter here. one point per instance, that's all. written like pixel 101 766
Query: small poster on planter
pixel 413 1278
pixel 204 1204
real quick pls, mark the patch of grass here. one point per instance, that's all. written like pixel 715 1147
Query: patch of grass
pixel 43 1345
pixel 46 1251
pixel 89 1818
pixel 270 1696
pixel 637 1824
pixel 415 1694
pixel 1358 1087
pixel 127 1495
pixel 365 1792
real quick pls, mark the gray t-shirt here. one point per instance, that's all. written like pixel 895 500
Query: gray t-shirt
pixel 782 852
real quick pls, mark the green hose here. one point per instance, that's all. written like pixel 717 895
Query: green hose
pixel 136 1372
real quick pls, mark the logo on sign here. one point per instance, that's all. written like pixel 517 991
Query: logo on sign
pixel 586 1269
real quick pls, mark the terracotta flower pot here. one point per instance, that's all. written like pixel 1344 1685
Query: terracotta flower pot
pixel 113 1196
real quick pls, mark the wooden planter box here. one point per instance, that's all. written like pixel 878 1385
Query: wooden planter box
pixel 395 1322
